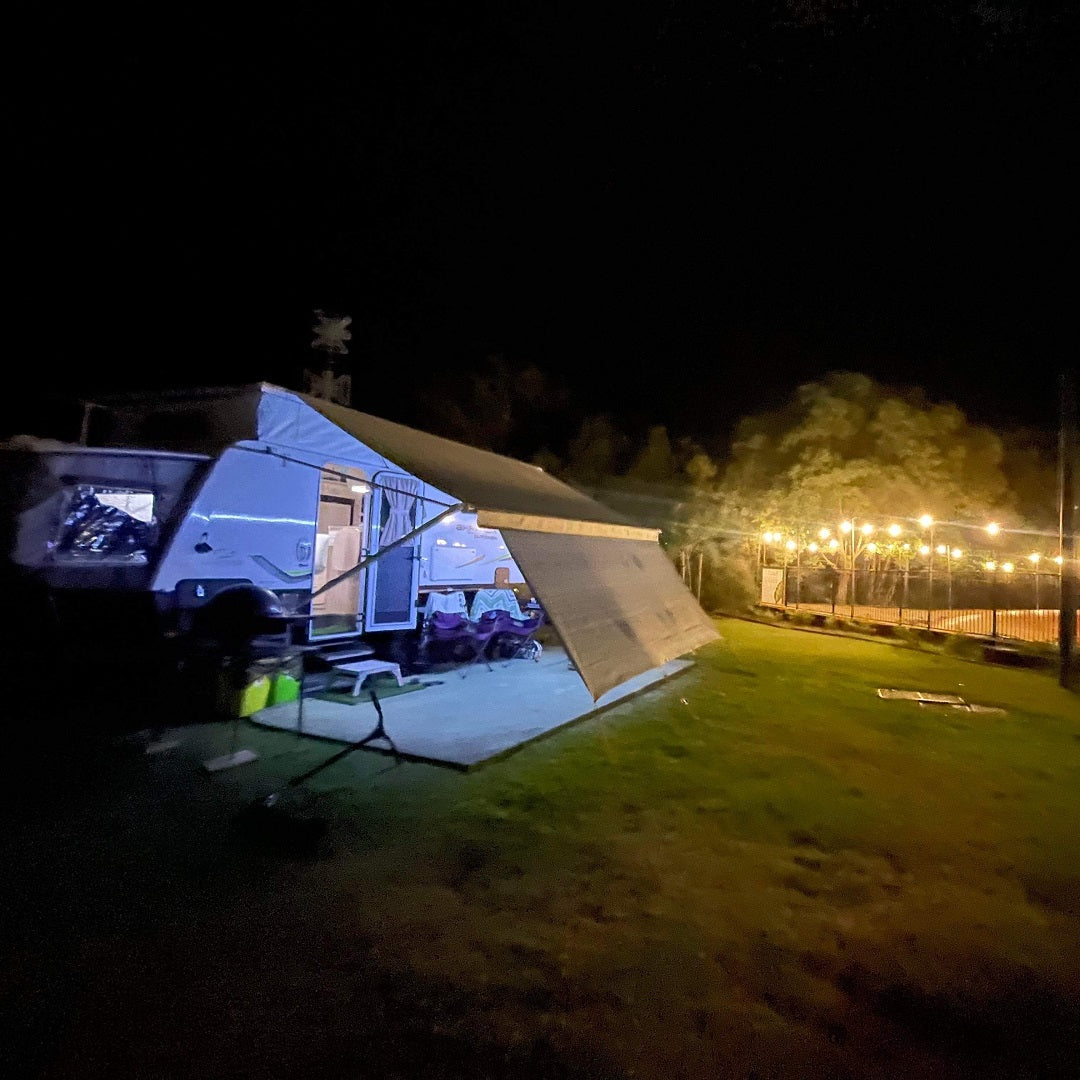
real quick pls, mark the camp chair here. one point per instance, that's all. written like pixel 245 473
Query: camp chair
pixel 449 600
pixel 446 626
pixel 456 632
pixel 497 599
pixel 514 637
pixel 480 634
pixel 452 612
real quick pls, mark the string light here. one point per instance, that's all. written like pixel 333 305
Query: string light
pixel 831 544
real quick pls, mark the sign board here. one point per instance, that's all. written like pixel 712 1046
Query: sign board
pixel 772 585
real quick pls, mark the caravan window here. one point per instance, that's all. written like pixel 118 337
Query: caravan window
pixel 107 524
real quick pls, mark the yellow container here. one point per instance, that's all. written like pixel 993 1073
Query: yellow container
pixel 250 699
pixel 254 696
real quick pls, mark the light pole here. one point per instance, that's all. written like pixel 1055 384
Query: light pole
pixel 789 547
pixel 992 567
pixel 927 522
pixel 905 555
pixel 953 554
pixel 867 530
pixel 1068 522
pixel 992 531
pixel 1060 561
pixel 849 528
pixel 834 548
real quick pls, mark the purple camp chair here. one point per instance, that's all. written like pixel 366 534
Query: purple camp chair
pixel 453 629
pixel 481 632
pixel 445 627
pixel 514 637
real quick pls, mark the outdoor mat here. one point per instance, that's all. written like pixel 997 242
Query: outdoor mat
pixel 928 697
pixel 385 688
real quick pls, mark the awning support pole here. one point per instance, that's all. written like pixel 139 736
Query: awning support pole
pixel 364 563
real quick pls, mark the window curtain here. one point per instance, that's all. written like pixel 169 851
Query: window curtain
pixel 400 495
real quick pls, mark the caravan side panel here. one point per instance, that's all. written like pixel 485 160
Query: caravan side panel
pixel 457 553
pixel 253 520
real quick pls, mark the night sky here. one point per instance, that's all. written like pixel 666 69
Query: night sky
pixel 680 210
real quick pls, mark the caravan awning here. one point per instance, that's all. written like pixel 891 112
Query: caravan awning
pixel 611 592
pixel 484 480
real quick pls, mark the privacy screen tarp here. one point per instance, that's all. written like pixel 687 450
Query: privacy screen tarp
pixel 619 605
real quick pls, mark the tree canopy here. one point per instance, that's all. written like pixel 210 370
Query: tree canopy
pixel 848 446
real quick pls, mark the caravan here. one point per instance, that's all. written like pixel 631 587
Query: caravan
pixel 171 530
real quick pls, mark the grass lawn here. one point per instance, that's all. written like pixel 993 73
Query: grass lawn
pixel 759 870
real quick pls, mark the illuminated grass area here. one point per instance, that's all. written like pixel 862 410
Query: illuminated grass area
pixel 759 869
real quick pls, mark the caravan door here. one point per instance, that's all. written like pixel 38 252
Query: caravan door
pixel 392 580
pixel 339 530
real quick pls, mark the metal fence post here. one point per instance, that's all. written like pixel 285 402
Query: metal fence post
pixel 930 582
pixel 851 598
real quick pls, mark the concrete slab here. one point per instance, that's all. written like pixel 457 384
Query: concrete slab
pixel 469 715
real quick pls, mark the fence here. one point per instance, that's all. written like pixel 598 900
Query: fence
pixel 1022 605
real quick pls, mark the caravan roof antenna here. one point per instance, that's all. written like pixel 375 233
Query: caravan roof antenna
pixel 84 428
